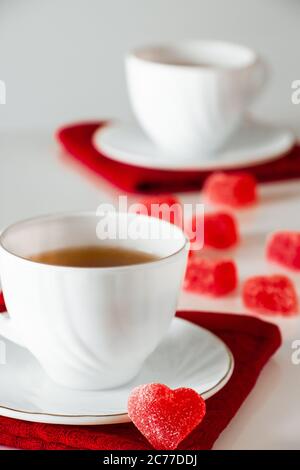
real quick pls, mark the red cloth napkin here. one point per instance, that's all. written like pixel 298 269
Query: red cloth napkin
pixel 76 139
pixel 252 343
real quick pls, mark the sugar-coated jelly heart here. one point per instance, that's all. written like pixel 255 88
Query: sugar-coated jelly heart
pixel 164 416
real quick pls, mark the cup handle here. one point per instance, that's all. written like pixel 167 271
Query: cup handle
pixel 8 330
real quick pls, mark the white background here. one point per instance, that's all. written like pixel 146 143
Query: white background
pixel 63 59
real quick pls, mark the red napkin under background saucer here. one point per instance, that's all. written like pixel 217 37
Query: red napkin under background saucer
pixel 252 342
pixel 76 140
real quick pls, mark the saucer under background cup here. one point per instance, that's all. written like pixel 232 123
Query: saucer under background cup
pixel 189 356
pixel 253 143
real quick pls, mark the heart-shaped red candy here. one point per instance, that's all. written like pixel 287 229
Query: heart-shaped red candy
pixel 164 416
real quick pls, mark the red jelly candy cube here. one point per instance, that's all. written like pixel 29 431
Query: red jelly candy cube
pixel 210 277
pixel 284 248
pixel 236 190
pixel 164 416
pixel 270 294
pixel 164 207
pixel 219 230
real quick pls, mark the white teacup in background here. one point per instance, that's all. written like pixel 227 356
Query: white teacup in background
pixel 190 97
pixel 90 328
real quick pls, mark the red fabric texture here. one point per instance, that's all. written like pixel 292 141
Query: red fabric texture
pixel 76 140
pixel 252 342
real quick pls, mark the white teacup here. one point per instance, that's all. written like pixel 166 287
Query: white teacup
pixel 190 97
pixel 90 328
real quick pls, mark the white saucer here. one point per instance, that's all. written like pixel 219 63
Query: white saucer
pixel 190 356
pixel 252 144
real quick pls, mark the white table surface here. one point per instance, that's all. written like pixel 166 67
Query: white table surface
pixel 34 180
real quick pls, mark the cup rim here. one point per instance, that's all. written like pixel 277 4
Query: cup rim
pixel 49 216
pixel 137 54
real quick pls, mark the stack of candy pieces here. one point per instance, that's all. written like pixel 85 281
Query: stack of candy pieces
pixel 218 276
pixel 205 275
pixel 164 416
pixel 220 231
